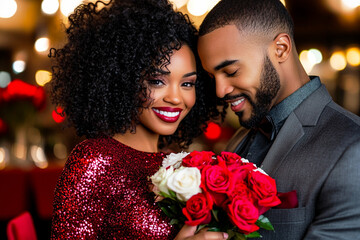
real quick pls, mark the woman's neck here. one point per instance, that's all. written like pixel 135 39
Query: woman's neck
pixel 142 140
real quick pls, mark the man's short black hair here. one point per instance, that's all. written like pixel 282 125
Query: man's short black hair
pixel 267 17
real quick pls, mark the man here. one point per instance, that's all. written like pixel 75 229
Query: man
pixel 297 134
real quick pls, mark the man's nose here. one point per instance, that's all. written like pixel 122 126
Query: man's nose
pixel 223 88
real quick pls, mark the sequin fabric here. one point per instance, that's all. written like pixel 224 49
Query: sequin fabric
pixel 103 193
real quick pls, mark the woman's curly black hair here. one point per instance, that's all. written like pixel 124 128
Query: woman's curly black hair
pixel 98 76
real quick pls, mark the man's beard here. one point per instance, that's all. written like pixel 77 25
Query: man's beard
pixel 269 87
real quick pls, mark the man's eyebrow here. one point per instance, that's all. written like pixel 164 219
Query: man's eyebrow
pixel 224 64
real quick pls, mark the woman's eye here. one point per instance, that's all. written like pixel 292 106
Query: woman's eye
pixel 188 84
pixel 231 74
pixel 155 82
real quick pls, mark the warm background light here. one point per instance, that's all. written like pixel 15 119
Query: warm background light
pixel 212 3
pixel 351 4
pixel 338 61
pixel 42 44
pixel 353 56
pixel 315 56
pixel 68 6
pixel 197 7
pixel 178 3
pixel 50 6
pixel 7 8
pixel 42 77
pixel 305 61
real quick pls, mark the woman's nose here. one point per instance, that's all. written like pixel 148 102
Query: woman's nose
pixel 173 96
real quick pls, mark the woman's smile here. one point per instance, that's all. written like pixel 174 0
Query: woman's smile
pixel 167 114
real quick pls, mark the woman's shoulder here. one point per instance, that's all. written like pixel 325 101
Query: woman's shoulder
pixel 99 151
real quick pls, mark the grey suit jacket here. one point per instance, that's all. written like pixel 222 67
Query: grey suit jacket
pixel 316 153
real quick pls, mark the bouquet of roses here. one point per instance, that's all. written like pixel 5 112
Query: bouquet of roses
pixel 222 192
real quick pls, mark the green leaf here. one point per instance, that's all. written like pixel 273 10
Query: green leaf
pixel 215 213
pixel 172 194
pixel 214 229
pixel 265 223
pixel 165 210
pixel 238 236
pixel 174 221
pixel 231 233
pixel 199 227
pixel 253 235
pixel 165 195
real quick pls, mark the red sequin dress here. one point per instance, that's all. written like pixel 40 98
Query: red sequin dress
pixel 103 193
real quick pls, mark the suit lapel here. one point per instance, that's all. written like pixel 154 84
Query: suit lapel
pixel 306 115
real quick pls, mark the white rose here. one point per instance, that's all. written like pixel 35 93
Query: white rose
pixel 160 178
pixel 174 159
pixel 244 160
pixel 185 181
pixel 261 170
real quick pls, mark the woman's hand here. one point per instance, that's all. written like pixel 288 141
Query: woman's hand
pixel 188 233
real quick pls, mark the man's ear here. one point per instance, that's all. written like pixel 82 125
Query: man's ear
pixel 282 45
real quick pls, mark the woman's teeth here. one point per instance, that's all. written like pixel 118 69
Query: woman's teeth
pixel 167 114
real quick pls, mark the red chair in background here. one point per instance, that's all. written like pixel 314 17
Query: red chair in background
pixel 21 228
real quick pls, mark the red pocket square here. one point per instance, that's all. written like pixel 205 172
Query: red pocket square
pixel 288 200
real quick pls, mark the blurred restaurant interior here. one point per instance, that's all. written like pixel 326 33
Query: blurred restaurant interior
pixel 34 139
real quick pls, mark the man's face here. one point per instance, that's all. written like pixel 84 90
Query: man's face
pixel 243 72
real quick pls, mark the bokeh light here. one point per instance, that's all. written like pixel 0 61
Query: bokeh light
pixel 42 77
pixel 213 131
pixel 351 4
pixel 5 79
pixel 38 156
pixel 178 3
pixel 68 6
pixel 60 151
pixel 197 7
pixel 19 66
pixel 50 6
pixel 338 60
pixel 315 56
pixel 42 44
pixel 353 56
pixel 4 157
pixel 58 115
pixel 306 61
pixel 8 8
pixel 212 3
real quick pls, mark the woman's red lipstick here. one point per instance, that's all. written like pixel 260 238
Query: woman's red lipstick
pixel 167 114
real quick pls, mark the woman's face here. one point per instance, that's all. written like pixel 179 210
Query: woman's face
pixel 172 94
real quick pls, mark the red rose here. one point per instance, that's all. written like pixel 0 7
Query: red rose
pixel 241 190
pixel 198 159
pixel 217 180
pixel 243 214
pixel 264 189
pixel 241 172
pixel 198 209
pixel 231 158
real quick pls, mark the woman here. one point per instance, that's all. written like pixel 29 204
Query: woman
pixel 127 79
